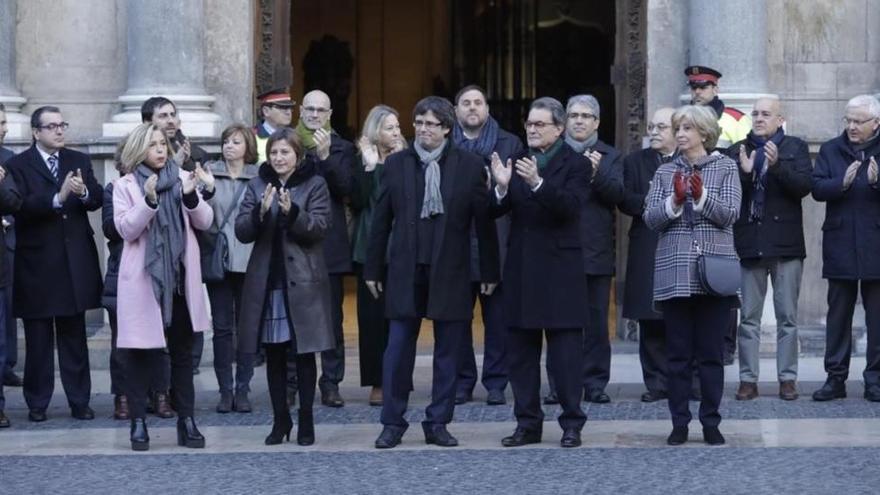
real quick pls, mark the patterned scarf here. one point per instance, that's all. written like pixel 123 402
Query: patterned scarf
pixel 484 144
pixel 432 204
pixel 759 179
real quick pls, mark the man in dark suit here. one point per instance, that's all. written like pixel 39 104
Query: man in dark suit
pixel 605 172
pixel 7 375
pixel 57 276
pixel 638 295
pixel 162 112
pixel 335 157
pixel 431 194
pixel 476 131
pixel 544 292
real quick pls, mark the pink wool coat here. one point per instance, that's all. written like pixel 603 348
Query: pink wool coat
pixel 138 314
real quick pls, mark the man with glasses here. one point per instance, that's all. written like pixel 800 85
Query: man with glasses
pixel 276 110
pixel 597 238
pixel 476 131
pixel 430 196
pixel 57 276
pixel 335 161
pixel 846 179
pixel 775 173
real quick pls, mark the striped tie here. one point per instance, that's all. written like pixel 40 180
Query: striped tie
pixel 53 166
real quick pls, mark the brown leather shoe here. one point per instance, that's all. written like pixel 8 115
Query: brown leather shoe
pixel 120 407
pixel 747 391
pixel 161 406
pixel 788 390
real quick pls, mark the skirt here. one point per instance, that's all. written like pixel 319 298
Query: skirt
pixel 276 324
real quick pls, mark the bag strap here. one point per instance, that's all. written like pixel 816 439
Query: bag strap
pixel 234 204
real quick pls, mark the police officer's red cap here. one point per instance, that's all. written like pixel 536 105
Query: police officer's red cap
pixel 279 97
pixel 701 75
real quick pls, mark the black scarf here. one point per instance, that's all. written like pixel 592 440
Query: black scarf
pixel 484 144
pixel 759 178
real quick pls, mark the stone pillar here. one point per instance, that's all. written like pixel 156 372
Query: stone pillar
pixel 166 58
pixel 19 127
pixel 731 37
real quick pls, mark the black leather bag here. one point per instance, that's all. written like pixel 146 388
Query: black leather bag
pixel 214 248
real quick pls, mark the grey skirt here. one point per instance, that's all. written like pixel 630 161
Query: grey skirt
pixel 276 324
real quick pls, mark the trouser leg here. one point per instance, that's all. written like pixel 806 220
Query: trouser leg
pixel 652 354
pixel 871 303
pixel 838 327
pixel 333 360
pixel 786 279
pixel 710 314
pixel 39 362
pixel 372 333
pixel 596 346
pixel 524 365
pixel 139 364
pixel 73 359
pixel 495 342
pixel 117 367
pixel 679 318
pixel 447 351
pixel 467 372
pixel 180 340
pixel 222 315
pixel 562 344
pixel 244 361
pixel 397 369
pixel 754 288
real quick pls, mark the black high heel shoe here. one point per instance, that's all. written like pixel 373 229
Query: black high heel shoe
pixel 188 435
pixel 280 430
pixel 305 428
pixel 140 439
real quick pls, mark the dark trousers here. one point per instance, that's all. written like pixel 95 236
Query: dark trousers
pixel 524 364
pixel 730 336
pixel 838 337
pixel 399 362
pixel 4 309
pixel 141 366
pixel 40 337
pixel 372 332
pixel 494 363
pixel 333 360
pixel 117 367
pixel 596 346
pixel 695 329
pixel 652 354
pixel 225 299
pixel 9 320
pixel 276 377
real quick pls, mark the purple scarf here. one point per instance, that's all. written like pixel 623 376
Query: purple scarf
pixel 759 178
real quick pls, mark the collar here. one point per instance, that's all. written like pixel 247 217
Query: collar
pixel 45 155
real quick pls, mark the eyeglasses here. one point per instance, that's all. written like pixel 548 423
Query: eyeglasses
pixel 585 116
pixel 427 124
pixel 540 126
pixel 54 127
pixel 658 127
pixel 848 122
pixel 317 110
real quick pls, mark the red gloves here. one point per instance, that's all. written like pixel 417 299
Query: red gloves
pixel 680 185
pixel 696 181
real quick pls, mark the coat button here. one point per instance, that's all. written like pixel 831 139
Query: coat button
pixel 776 217
pixel 760 253
pixel 292 283
pixel 64 216
pixel 290 258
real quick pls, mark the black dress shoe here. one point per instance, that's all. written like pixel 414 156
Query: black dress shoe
pixel 678 436
pixel 597 396
pixel 390 437
pixel 496 398
pixel 571 437
pixel 4 421
pixel 83 413
pixel 551 398
pixel 652 396
pixel 10 379
pixel 37 415
pixel 872 393
pixel 712 435
pixel 832 389
pixel 331 398
pixel 438 435
pixel 140 439
pixel 188 435
pixel 520 437
pixel 463 398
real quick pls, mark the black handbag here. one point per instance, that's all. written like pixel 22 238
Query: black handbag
pixel 718 275
pixel 214 248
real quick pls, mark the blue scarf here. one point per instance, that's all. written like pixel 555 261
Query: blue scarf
pixel 759 179
pixel 483 145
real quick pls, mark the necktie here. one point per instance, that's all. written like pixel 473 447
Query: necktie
pixel 53 166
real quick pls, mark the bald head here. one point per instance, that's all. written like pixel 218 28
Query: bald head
pixel 660 134
pixel 766 117
pixel 315 109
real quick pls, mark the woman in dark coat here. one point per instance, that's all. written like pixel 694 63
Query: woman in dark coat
pixel 286 214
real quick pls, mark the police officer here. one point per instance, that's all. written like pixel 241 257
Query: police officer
pixel 276 111
pixel 735 124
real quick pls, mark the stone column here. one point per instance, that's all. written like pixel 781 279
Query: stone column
pixel 19 127
pixel 166 58
pixel 731 37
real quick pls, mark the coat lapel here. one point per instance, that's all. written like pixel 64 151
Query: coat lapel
pixel 448 174
pixel 42 169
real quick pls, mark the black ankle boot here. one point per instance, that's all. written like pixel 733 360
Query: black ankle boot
pixel 140 439
pixel 305 428
pixel 280 429
pixel 188 435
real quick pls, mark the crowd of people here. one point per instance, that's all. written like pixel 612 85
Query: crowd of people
pixel 465 212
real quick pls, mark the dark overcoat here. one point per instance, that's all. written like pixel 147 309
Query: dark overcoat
pixel 543 285
pixel 597 211
pixel 337 171
pixel 56 261
pixel 307 282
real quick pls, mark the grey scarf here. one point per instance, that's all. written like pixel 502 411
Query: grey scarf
pixel 165 237
pixel 581 146
pixel 432 204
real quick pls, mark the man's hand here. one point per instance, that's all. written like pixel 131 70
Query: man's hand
pixel 501 173
pixel 190 182
pixel 183 152
pixel 872 171
pixel 488 289
pixel 77 186
pixel 595 157
pixel 150 189
pixel 679 187
pixel 850 175
pixel 66 186
pixel 375 287
pixel 322 144
pixel 527 168
pixel 771 154
pixel 746 162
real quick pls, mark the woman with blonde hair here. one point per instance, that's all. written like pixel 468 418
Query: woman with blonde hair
pixel 160 303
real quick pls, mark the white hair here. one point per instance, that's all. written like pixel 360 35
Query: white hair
pixel 869 102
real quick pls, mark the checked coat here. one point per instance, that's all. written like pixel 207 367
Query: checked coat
pixel 675 262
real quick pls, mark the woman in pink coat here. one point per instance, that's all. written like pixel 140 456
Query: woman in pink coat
pixel 160 302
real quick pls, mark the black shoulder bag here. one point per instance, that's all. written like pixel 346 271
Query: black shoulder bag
pixel 215 248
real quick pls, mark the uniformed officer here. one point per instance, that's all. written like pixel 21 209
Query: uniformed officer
pixel 734 123
pixel 276 110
